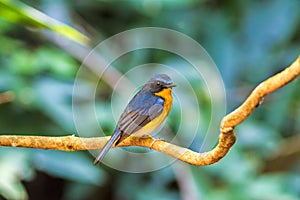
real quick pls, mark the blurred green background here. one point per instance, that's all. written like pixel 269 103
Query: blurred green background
pixel 248 40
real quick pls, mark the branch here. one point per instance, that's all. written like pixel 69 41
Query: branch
pixel 226 137
pixel 256 97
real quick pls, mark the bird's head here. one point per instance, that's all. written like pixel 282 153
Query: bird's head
pixel 158 83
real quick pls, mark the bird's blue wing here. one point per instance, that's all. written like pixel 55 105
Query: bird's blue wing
pixel 142 109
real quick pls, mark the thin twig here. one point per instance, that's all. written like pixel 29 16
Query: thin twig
pixel 226 138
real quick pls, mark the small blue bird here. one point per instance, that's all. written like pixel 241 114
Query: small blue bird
pixel 144 113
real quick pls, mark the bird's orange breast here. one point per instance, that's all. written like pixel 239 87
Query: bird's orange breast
pixel 152 125
pixel 166 94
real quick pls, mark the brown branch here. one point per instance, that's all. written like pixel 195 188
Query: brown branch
pixel 226 137
pixel 256 97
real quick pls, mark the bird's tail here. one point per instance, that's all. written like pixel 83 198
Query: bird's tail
pixel 107 146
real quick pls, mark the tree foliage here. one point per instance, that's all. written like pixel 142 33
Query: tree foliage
pixel 249 41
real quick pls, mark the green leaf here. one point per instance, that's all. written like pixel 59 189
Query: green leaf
pixel 69 165
pixel 14 167
pixel 18 12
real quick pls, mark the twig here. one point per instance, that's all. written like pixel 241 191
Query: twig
pixel 226 138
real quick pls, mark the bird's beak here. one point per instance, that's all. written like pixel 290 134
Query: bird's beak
pixel 171 85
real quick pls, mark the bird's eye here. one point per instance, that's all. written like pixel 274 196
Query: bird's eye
pixel 158 83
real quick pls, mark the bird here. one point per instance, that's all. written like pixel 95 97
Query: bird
pixel 144 113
